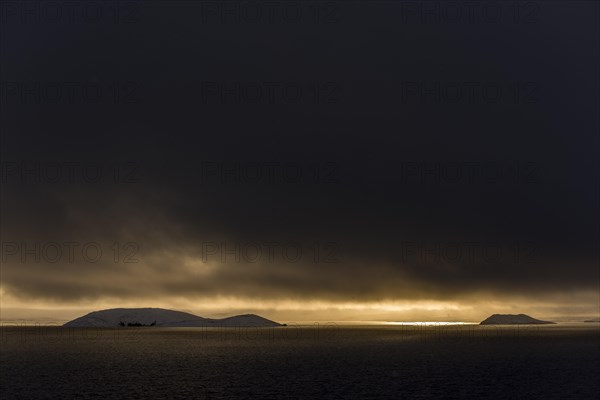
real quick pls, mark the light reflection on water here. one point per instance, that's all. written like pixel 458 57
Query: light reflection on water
pixel 430 323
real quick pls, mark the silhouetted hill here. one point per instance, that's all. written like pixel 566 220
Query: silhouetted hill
pixel 512 319
pixel 116 317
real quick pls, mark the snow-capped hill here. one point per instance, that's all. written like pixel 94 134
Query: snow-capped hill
pixel 512 319
pixel 116 317
pixel 125 316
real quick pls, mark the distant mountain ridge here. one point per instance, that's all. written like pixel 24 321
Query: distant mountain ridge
pixel 512 319
pixel 161 317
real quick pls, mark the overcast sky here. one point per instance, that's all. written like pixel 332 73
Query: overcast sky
pixel 349 160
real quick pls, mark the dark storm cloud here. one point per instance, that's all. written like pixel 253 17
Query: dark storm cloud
pixel 419 160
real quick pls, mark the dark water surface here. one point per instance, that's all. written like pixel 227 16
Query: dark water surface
pixel 325 362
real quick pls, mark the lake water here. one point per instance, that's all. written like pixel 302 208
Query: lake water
pixel 302 362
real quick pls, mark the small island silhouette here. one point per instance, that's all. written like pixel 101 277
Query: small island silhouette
pixel 513 319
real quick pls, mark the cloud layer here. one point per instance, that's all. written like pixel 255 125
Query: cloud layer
pixel 401 164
